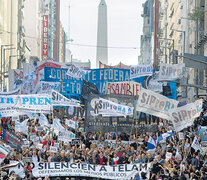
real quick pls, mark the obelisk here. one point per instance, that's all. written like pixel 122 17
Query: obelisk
pixel 102 35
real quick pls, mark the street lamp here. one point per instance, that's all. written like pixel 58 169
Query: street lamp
pixel 2 46
pixel 183 39
pixel 166 47
pixel 3 73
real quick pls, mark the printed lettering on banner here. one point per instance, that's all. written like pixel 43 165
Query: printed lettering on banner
pixel 60 100
pixel 44 87
pixel 155 104
pixel 119 172
pixel 109 108
pixel 184 116
pixel 33 103
pixel 53 149
pixel 127 88
pixel 76 72
pixel 141 70
pixel 171 71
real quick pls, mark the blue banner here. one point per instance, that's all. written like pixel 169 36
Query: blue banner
pixel 71 87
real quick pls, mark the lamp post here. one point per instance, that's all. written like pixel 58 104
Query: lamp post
pixel 3 73
pixel 166 47
pixel 183 39
pixel 2 46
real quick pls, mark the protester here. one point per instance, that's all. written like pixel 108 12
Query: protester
pixel 173 157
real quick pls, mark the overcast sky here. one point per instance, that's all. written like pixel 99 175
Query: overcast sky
pixel 124 29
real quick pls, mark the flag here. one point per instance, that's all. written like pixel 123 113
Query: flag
pixel 43 121
pixel 196 145
pixel 151 144
pixel 3 134
pixel 164 137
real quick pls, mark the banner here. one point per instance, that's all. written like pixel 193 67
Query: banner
pixel 4 149
pixel 20 127
pixel 141 70
pixel 60 100
pixel 17 91
pixel 171 71
pixel 12 140
pixel 75 71
pixel 16 77
pixel 109 108
pixel 65 136
pixel 71 123
pixel 155 104
pixel 44 87
pixel 123 171
pixel 184 116
pixel 126 88
pixel 33 103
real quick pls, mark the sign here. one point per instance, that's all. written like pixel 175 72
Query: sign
pixel 196 145
pixel 60 100
pixel 123 171
pixel 184 116
pixel 75 71
pixel 168 156
pixel 126 88
pixel 141 70
pixel 19 127
pixel 109 108
pixel 53 149
pixel 44 87
pixel 71 123
pixel 181 136
pixel 75 141
pixel 65 136
pixel 27 159
pixel 155 104
pixel 171 71
pixel 45 22
pixel 40 128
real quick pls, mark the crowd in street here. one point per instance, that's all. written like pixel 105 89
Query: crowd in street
pixel 184 163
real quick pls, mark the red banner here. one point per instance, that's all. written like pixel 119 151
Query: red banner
pixel 45 37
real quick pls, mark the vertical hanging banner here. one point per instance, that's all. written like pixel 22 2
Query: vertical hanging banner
pixel 155 104
pixel 171 71
pixel 45 22
pixel 184 116
pixel 141 70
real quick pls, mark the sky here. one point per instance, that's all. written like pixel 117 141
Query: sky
pixel 124 29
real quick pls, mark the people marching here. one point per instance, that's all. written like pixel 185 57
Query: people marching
pixel 172 155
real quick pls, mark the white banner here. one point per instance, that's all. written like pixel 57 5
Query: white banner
pixel 155 104
pixel 123 171
pixel 126 88
pixel 4 150
pixel 196 145
pixel 65 136
pixel 184 116
pixel 17 91
pixel 171 71
pixel 44 87
pixel 20 127
pixel 39 103
pixel 76 72
pixel 141 70
pixel 60 100
pixel 71 123
pixel 109 108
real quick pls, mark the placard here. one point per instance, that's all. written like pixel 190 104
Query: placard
pixel 53 149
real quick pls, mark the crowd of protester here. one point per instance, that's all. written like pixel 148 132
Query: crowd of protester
pixel 185 162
